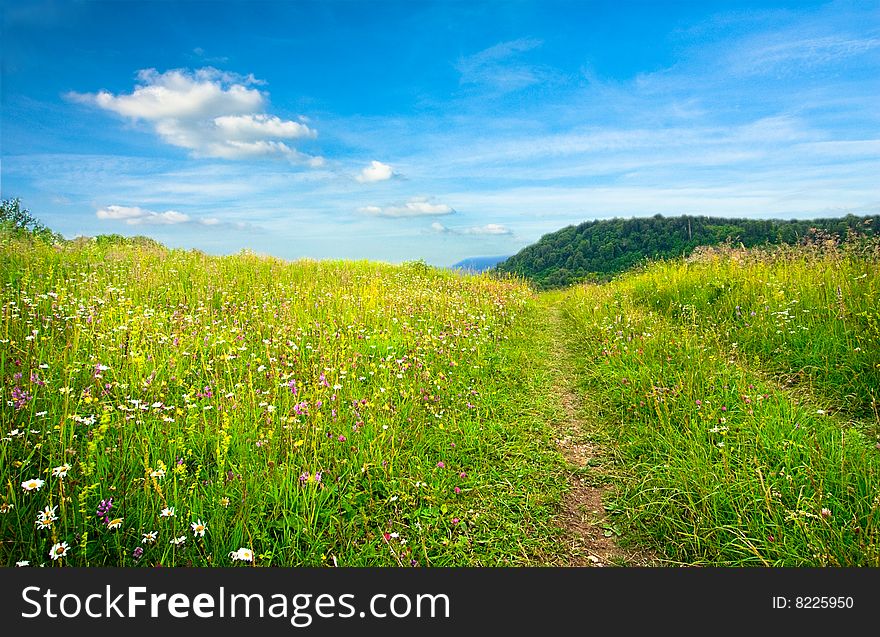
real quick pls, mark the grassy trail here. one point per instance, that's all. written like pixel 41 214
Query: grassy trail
pixel 591 536
pixel 716 462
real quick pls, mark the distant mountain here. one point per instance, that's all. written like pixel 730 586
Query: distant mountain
pixel 479 264
pixel 596 250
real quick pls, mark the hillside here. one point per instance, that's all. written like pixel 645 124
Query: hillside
pixel 166 407
pixel 738 394
pixel 596 250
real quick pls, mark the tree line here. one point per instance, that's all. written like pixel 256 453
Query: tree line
pixel 597 250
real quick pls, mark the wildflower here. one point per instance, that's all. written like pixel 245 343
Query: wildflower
pixel 20 398
pixel 33 484
pixel 137 553
pixel 61 472
pixel 199 528
pixel 826 513
pixel 158 473
pixel 104 509
pixel 462 475
pixel 455 520
pixel 177 540
pixel 6 507
pixel 46 517
pixel 457 490
pixel 58 550
pixel 243 554
pixel 149 537
pixel 341 438
pixel 441 465
pixel 167 512
pixel 23 563
pixel 224 502
pixel 114 523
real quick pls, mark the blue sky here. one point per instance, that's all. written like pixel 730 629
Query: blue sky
pixel 434 130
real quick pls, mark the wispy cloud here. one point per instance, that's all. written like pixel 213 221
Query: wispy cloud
pixel 210 112
pixel 800 53
pixel 500 68
pixel 495 229
pixel 415 207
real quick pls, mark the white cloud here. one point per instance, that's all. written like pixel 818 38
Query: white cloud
pixel 496 67
pixel 415 207
pixel 376 171
pixel 136 216
pixel 489 228
pixel 799 53
pixel 209 112
pixel 258 127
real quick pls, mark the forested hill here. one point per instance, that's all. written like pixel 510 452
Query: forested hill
pixel 595 250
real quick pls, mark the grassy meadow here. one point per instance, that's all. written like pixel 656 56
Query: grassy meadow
pixel 164 407
pixel 740 391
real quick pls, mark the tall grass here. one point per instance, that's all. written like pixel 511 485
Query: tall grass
pixel 314 413
pixel 723 464
pixel 808 314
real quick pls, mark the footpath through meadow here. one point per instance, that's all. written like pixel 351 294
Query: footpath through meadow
pixel 592 537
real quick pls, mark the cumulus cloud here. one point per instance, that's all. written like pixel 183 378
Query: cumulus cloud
pixel 376 171
pixel 209 112
pixel 415 207
pixel 135 216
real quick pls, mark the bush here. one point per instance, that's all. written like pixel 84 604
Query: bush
pixel 19 222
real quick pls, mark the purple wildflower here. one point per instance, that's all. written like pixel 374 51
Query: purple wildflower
pixel 104 509
pixel 20 398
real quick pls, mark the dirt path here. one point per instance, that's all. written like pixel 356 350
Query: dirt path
pixel 590 533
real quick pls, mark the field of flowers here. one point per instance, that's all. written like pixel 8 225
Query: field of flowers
pixel 163 407
pixel 740 391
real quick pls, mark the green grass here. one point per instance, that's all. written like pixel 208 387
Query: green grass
pixel 809 315
pixel 724 465
pixel 220 386
pixel 735 395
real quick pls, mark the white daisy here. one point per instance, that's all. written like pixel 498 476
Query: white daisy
pixel 199 528
pixel 33 484
pixel 59 550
